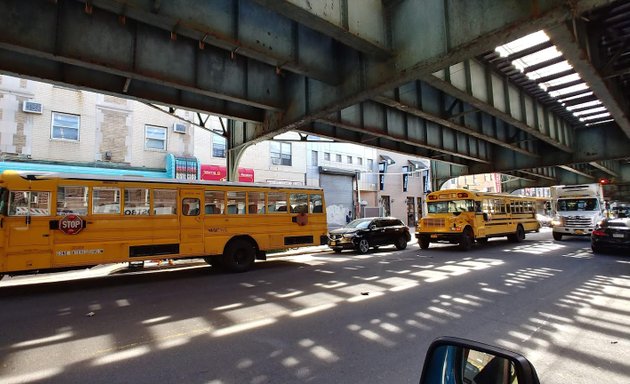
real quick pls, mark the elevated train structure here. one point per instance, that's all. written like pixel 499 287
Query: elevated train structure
pixel 416 77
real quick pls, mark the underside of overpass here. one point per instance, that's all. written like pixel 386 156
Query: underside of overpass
pixel 416 77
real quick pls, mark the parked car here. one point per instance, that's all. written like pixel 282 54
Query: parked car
pixel 362 234
pixel 611 234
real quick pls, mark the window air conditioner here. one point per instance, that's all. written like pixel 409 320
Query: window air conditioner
pixel 32 107
pixel 179 128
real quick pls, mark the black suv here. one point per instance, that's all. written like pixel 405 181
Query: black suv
pixel 361 234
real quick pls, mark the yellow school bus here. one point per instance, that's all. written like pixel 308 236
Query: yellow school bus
pixel 460 216
pixel 62 221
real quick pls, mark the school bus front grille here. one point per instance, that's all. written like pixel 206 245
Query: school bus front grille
pixel 433 222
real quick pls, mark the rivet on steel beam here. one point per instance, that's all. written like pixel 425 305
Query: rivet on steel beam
pixel 88 8
pixel 122 19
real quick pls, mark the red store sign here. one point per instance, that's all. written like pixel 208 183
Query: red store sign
pixel 219 173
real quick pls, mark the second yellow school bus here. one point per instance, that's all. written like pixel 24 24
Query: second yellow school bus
pixel 61 221
pixel 460 216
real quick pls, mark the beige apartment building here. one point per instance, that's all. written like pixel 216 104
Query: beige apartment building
pixel 45 127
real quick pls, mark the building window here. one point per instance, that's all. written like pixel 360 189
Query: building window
pixel 338 158
pixel 314 158
pixel 219 145
pixel 359 160
pixel 280 153
pixel 155 137
pixel 326 156
pixel 349 159
pixel 370 164
pixel 65 126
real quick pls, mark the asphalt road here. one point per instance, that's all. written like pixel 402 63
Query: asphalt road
pixel 323 318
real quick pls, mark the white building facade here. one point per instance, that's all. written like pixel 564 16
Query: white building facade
pixel 50 128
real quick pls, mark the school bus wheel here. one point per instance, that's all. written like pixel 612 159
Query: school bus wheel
pixel 466 240
pixel 239 255
pixel 517 236
pixel 424 241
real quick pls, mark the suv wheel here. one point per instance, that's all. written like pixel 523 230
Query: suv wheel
pixel 401 243
pixel 363 246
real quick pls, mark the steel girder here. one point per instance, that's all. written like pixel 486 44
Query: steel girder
pixel 280 65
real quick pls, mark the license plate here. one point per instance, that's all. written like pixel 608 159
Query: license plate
pixel 619 235
pixel 333 243
pixel 579 232
pixel 434 236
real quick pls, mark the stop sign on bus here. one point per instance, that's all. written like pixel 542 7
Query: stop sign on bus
pixel 71 224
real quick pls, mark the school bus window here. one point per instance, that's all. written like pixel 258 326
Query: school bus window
pixel 215 202
pixel 136 201
pixel 72 199
pixel 4 197
pixel 190 206
pixel 105 200
pixel 486 205
pixel 27 203
pixel 315 204
pixel 236 203
pixel 164 201
pixel 255 202
pixel 277 202
pixel 299 202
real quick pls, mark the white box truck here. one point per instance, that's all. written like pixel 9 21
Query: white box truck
pixel 577 209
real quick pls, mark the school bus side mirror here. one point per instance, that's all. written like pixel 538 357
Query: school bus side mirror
pixel 485 216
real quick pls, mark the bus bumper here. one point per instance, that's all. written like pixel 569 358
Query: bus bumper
pixel 441 237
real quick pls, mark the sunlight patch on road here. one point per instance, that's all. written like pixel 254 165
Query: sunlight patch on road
pixel 538 248
pixel 324 354
pixel 31 377
pixel 242 327
pixel 122 355
pixel 290 362
pixel 399 283
pixel 331 284
pixel 371 335
pixel 229 306
pixel 255 312
pixel 432 276
pixel 44 340
pixel 492 290
pixel 430 317
pixel 289 293
pixel 311 310
pixel 444 312
pixel 155 320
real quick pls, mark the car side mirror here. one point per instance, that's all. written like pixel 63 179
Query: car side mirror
pixel 485 216
pixel 454 360
pixel 372 227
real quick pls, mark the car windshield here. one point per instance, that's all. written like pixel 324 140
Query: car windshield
pixel 565 205
pixel 359 224
pixel 451 206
